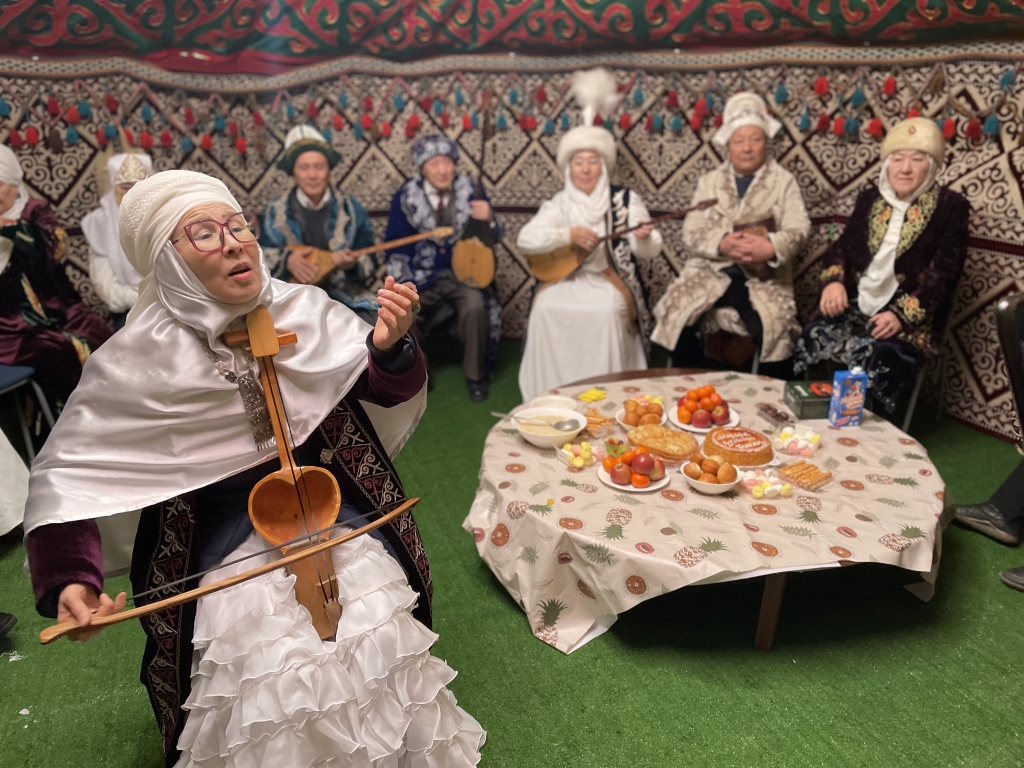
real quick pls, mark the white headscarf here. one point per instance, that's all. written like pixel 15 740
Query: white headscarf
pixel 878 284
pixel 152 417
pixel 100 226
pixel 11 173
pixel 586 210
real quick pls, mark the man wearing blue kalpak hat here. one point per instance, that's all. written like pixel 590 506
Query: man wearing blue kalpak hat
pixel 319 215
pixel 438 197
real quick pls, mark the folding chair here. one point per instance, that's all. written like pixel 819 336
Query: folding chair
pixel 12 378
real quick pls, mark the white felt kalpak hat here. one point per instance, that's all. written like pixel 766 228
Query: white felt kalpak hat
pixel 742 109
pixel 597 94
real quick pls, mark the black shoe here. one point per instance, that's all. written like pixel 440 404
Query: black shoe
pixel 7 622
pixel 986 519
pixel 477 390
pixel 1013 577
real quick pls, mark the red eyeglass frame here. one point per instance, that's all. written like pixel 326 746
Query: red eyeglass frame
pixel 251 223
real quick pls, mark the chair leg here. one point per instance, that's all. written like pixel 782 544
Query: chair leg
pixel 756 362
pixel 913 398
pixel 26 433
pixel 43 405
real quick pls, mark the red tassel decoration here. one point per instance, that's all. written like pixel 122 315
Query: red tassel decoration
pixel 339 121
pixel 129 136
pixel 241 145
pixel 166 139
pixel 598 121
pixel 649 124
pixel 312 109
pixel 821 86
pixel 206 142
pixel 232 129
pixel 913 112
pixel 531 123
pixel 839 126
pixel 385 129
pixel 972 130
pixel 101 139
pixel 823 122
pixel 625 121
pixel 366 121
pixel 875 128
pixel 111 102
pixel 52 106
pixel 700 108
pixel 31 136
pixel 889 86
pixel 146 140
pixel 426 103
pixel 949 128
pixel 672 99
pixel 695 121
pixel 190 116
pixel 445 119
pixel 257 117
pixel 367 104
pixel 718 120
pixel 15 139
pixel 72 116
pixel 467 122
pixel 410 130
pixel 542 95
pixel 414 121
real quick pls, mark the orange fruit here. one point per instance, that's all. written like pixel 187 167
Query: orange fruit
pixel 641 449
pixel 609 462
pixel 685 415
pixel 716 399
pixel 639 481
pixel 691 405
pixel 707 404
pixel 693 394
pixel 706 390
pixel 627 457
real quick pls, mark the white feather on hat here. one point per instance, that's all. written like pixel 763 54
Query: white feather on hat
pixel 597 94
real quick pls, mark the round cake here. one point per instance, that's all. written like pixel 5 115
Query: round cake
pixel 739 446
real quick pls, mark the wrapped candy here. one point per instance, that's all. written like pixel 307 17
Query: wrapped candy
pixel 797 441
pixel 763 484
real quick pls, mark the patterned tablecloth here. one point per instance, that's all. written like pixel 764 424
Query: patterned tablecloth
pixel 575 553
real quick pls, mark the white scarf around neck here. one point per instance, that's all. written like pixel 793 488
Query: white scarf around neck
pixel 878 284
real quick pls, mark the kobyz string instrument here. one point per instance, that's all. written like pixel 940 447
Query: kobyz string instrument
pixel 562 262
pixel 473 254
pixel 324 262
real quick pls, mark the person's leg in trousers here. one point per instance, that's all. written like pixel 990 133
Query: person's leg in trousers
pixel 474 329
pixel 1002 516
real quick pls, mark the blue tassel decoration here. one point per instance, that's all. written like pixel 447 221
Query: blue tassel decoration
pixel 781 94
pixel 186 144
pixel 343 100
pixel 565 121
pixel 399 102
pixel 147 112
pixel 677 123
pixel 327 135
pixel 658 123
pixel 709 102
pixel 1008 78
pixel 549 127
pixel 357 129
pixel 290 111
pixel 5 108
pixel 71 137
pixel 608 125
pixel 991 126
pixel 805 122
pixel 852 126
pixel 219 124
pixel 638 96
pixel 459 98
pixel 502 122
pixel 84 109
pixel 513 96
pixel 476 119
pixel 858 99
pixel 109 132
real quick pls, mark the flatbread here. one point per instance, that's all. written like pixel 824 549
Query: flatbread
pixel 663 442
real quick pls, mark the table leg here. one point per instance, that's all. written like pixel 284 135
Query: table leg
pixel 771 602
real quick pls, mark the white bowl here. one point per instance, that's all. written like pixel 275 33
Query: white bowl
pixel 549 441
pixel 708 489
pixel 622 412
pixel 553 401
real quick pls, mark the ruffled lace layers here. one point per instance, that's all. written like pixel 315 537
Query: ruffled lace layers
pixel 267 692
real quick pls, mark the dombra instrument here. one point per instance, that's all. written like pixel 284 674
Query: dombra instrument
pixel 473 254
pixel 294 509
pixel 324 262
pixel 562 262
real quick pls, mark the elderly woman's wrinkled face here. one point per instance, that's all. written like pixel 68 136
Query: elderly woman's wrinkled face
pixel 585 170
pixel 748 149
pixel 908 168
pixel 8 194
pixel 440 172
pixel 226 259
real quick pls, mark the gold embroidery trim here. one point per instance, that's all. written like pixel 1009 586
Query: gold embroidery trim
pixel 911 308
pixel 834 271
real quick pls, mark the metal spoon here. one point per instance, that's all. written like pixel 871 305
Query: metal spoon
pixel 562 425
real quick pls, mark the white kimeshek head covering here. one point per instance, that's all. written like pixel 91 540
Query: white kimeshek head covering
pixel 100 226
pixel 878 284
pixel 152 417
pixel 742 109
pixel 11 173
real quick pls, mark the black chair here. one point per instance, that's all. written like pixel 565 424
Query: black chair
pixel 12 378
pixel 1010 327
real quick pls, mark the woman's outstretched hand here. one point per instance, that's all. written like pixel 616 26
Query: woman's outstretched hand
pixel 398 304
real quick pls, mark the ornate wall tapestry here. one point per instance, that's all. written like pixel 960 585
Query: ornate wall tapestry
pixel 835 104
pixel 270 35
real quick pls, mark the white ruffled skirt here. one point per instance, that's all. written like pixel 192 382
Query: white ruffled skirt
pixel 267 691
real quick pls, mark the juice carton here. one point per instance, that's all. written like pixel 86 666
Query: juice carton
pixel 849 391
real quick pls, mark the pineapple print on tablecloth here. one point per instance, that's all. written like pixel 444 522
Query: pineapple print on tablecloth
pixel 690 556
pixel 550 611
pixel 617 519
pixel 898 542
pixel 809 509
pixel 528 555
pixel 517 509
pixel 581 487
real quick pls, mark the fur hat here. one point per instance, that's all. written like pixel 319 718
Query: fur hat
pixel 597 94
pixel 433 145
pixel 742 109
pixel 305 138
pixel 918 133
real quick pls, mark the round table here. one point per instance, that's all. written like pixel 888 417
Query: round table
pixel 575 553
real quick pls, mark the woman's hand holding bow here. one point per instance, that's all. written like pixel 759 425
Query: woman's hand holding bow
pixel 80 603
pixel 399 303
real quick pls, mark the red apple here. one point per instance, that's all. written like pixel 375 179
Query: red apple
pixel 620 474
pixel 643 463
pixel 720 416
pixel 658 472
pixel 701 419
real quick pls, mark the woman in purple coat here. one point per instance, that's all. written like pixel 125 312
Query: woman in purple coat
pixel 888 281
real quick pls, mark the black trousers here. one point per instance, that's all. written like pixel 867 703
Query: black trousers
pixel 473 324
pixel 1009 497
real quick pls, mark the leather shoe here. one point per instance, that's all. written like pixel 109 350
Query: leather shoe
pixel 1013 577
pixel 7 622
pixel 477 390
pixel 986 519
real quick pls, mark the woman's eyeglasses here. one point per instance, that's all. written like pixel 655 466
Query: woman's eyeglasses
pixel 208 235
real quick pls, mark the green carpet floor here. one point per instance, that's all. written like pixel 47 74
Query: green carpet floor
pixel 863 673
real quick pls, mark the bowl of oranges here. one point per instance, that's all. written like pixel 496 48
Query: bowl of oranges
pixel 640 410
pixel 701 409
pixel 636 471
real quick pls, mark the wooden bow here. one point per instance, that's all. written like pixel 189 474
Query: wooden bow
pixel 57 631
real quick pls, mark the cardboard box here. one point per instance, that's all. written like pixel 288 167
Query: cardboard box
pixel 849 394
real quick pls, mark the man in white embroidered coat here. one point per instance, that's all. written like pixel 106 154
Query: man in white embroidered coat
pixel 114 278
pixel 739 251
